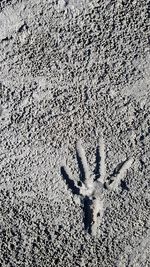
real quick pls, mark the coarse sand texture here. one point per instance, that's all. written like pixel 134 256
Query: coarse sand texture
pixel 74 133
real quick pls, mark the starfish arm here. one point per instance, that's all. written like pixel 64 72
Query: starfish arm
pixel 115 180
pixel 82 156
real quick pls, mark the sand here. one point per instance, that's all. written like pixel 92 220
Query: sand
pixel 74 131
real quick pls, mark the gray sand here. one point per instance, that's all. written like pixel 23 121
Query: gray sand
pixel 74 131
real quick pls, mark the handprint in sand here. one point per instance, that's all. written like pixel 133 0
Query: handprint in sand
pixel 91 187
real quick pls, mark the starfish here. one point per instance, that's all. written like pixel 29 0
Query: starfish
pixel 91 187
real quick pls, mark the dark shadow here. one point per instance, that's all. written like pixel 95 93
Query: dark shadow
pixel 117 169
pixel 97 168
pixel 69 182
pixel 124 186
pixel 81 168
pixel 88 214
pixel 115 172
pixel 66 3
pixel 142 164
pixel 47 233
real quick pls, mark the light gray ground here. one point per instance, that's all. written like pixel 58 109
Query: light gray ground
pixel 71 70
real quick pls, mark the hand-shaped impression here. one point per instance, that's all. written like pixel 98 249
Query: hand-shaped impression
pixel 91 188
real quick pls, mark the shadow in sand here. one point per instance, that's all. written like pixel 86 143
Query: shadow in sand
pixel 117 169
pixel 88 214
pixel 69 182
pixel 124 186
pixel 97 168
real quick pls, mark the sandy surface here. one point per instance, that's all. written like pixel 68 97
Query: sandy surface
pixel 73 73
